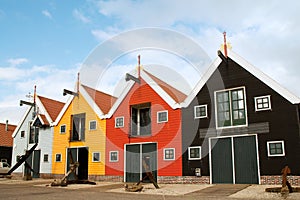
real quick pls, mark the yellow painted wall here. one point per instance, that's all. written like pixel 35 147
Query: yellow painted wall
pixel 94 139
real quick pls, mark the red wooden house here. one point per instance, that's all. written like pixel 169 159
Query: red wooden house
pixel 144 125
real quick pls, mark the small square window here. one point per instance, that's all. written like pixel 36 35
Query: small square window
pixel 93 125
pixel 46 158
pixel 275 148
pixel 96 157
pixel 63 129
pixel 195 153
pixel 58 157
pixel 200 111
pixel 113 156
pixel 22 134
pixel 119 122
pixel 262 103
pixel 169 154
pixel 162 116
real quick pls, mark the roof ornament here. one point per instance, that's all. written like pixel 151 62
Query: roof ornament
pixel 139 66
pixel 225 44
pixel 78 74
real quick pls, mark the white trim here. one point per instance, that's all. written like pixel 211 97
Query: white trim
pixel 116 118
pixel 261 97
pixel 41 106
pixel 230 102
pixel 199 106
pixel 168 159
pixel 65 129
pixel 60 157
pixel 110 152
pixel 96 161
pixel 194 147
pixel 273 142
pixel 90 125
pixel 21 122
pixel 159 112
pixel 63 110
pixel 232 151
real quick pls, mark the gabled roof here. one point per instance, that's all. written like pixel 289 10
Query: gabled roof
pixel 41 119
pixel 49 107
pixel 99 101
pixel 175 94
pixel 169 94
pixel 251 69
pixel 103 101
pixel 52 107
pixel 5 134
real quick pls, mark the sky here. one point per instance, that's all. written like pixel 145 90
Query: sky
pixel 46 43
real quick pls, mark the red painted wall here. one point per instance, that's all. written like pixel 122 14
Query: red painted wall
pixel 166 135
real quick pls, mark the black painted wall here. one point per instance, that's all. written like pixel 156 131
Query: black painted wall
pixel 283 121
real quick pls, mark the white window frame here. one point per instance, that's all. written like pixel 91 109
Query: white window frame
pixel 159 112
pixel 167 149
pixel 273 142
pixel 195 147
pixel 195 113
pixel 47 158
pixel 122 117
pixel 245 105
pixel 262 97
pixel 110 160
pixel 93 160
pixel 65 129
pixel 95 125
pixel 56 157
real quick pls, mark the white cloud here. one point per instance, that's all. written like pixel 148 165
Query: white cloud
pixel 47 14
pixel 80 16
pixel 17 61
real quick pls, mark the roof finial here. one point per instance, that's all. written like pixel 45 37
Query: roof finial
pixel 139 65
pixel 34 94
pixel 225 44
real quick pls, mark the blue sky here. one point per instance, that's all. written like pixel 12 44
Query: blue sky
pixel 44 43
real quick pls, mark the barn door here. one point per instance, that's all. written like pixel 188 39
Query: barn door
pixel 132 173
pixel 221 160
pixel 36 163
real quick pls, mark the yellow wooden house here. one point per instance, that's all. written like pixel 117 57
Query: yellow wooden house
pixel 80 132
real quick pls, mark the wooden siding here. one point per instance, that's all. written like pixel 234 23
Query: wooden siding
pixel 282 120
pixel 166 135
pixel 94 139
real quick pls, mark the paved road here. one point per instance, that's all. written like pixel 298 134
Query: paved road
pixel 37 190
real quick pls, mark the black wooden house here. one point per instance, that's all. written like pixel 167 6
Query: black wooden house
pixel 240 126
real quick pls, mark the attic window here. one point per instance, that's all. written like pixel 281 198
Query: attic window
pixel 262 103
pixel 22 134
pixel 162 116
pixel 93 125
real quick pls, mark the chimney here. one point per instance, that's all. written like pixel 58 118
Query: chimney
pixel 225 45
pixel 6 126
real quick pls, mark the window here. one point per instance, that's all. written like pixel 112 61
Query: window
pixel 169 154
pixel 46 158
pixel 78 127
pixel 96 157
pixel 141 119
pixel 275 148
pixel 231 108
pixel 93 125
pixel 22 134
pixel 63 129
pixel 119 122
pixel 58 157
pixel 113 156
pixel 33 134
pixel 262 103
pixel 162 116
pixel 195 153
pixel 200 111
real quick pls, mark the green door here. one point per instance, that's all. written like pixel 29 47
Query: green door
pixel 132 163
pixel 135 155
pixel 36 164
pixel 221 160
pixel 245 160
